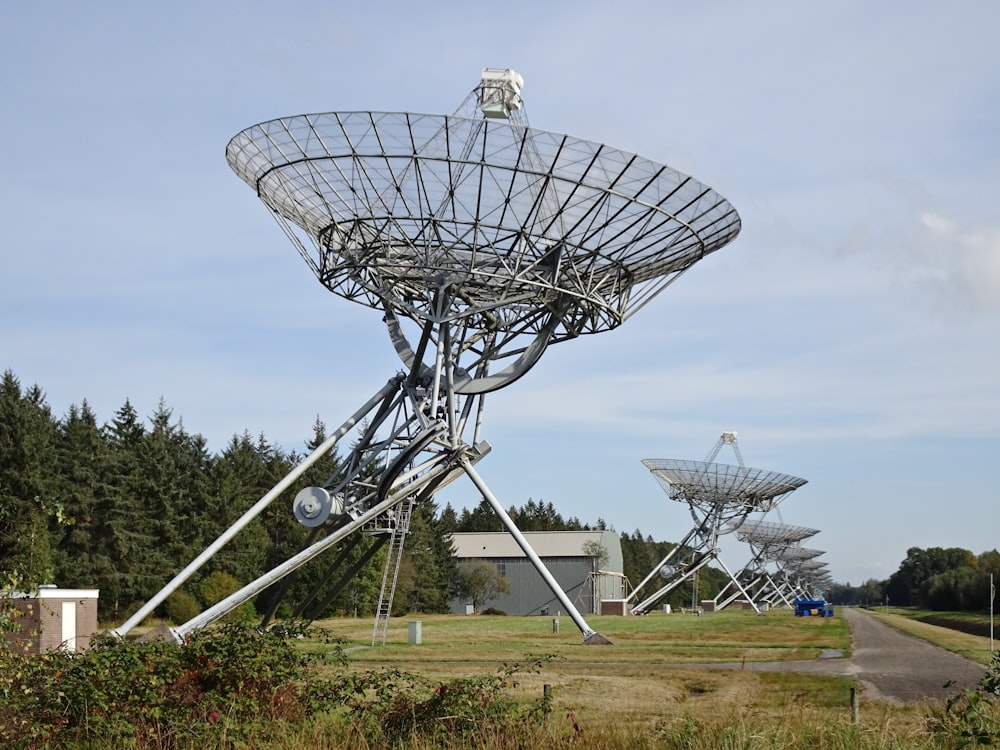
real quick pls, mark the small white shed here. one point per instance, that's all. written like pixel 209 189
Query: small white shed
pixel 52 618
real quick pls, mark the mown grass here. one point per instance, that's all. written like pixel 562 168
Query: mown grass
pixel 658 639
pixel 655 671
pixel 802 728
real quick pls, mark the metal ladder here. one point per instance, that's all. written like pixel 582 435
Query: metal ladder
pixel 393 557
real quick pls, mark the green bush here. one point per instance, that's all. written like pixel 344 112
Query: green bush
pixel 991 681
pixel 393 707
pixel 216 587
pixel 237 687
pixel 972 717
pixel 224 682
pixel 181 607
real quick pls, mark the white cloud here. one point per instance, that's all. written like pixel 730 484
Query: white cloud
pixel 960 264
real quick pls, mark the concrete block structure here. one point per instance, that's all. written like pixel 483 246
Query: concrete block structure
pixel 52 618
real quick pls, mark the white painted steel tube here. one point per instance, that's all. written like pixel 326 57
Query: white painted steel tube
pixel 656 570
pixel 738 585
pixel 528 551
pixel 234 600
pixel 432 469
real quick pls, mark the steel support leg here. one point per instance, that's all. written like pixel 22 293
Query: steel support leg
pixel 590 636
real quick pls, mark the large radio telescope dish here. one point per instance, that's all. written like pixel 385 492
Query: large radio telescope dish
pixel 399 205
pixel 714 486
pixel 516 233
pixel 481 240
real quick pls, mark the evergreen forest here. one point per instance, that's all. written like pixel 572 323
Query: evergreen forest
pixel 123 505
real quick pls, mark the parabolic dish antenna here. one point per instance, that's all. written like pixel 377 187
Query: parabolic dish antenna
pixel 502 228
pixel 720 497
pixel 790 554
pixel 770 535
pixel 481 240
pixel 721 488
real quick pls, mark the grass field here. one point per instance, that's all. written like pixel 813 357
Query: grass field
pixel 655 667
pixel 728 636
pixel 669 681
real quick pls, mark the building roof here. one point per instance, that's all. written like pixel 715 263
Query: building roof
pixel 497 544
pixel 52 592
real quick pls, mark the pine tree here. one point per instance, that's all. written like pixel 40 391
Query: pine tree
pixel 84 460
pixel 448 520
pixel 28 497
pixel 480 518
pixel 239 477
pixel 286 536
pixel 123 537
pixel 170 481
pixel 430 559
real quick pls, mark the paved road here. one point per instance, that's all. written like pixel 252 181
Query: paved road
pixel 889 665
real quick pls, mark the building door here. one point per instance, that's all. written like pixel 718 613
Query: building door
pixel 69 626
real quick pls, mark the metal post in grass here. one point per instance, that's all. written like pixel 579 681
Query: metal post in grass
pixel 855 709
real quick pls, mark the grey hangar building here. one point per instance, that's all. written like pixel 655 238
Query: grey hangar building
pixel 587 580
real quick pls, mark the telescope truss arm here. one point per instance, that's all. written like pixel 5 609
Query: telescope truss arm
pixel 411 443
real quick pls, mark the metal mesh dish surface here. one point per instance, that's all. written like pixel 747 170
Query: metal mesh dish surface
pixel 766 533
pixel 721 485
pixel 499 220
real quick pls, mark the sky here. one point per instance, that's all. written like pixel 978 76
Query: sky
pixel 850 335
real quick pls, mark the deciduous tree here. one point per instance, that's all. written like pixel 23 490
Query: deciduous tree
pixel 479 582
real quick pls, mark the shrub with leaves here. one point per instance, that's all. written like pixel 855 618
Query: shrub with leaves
pixel 219 586
pixel 181 606
pixel 237 687
pixel 991 682
pixel 971 718
pixel 392 706
pixel 223 682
